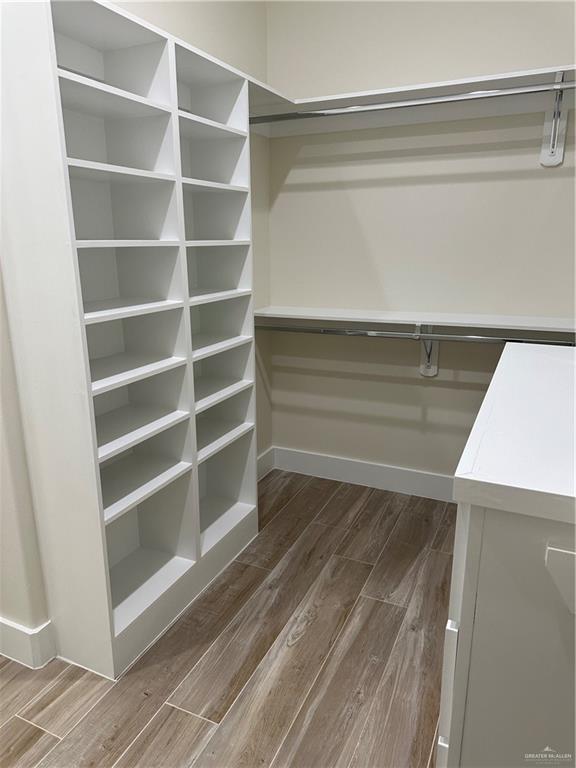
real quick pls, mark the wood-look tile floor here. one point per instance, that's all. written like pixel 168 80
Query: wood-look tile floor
pixel 320 646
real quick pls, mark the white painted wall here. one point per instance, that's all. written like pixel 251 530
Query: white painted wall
pixel 332 47
pixel 22 598
pixel 233 31
pixel 447 217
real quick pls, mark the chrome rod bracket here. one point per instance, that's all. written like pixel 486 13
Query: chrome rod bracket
pixel 554 137
pixel 429 355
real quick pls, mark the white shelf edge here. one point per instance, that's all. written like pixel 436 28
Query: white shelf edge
pixel 223 442
pixel 117 170
pixel 133 310
pixel 225 523
pixel 126 243
pixel 221 395
pixel 221 346
pixel 510 322
pixel 137 436
pixel 153 588
pixel 135 374
pixel 214 243
pixel 200 184
pixel 89 82
pixel 205 121
pixel 208 298
pixel 143 492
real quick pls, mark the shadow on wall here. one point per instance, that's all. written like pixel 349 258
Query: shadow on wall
pixel 365 398
pixel 447 217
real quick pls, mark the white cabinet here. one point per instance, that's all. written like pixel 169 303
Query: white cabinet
pixel 508 676
pixel 129 274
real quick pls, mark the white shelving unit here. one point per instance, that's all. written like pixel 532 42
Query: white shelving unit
pixel 146 458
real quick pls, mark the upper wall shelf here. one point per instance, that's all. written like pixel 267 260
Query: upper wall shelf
pixel 416 325
pixel 496 95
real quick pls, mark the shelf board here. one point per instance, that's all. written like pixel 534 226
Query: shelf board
pixel 125 427
pixel 126 243
pixel 208 295
pixel 208 344
pixel 225 515
pixel 200 185
pixel 80 94
pixel 129 481
pixel 193 126
pixel 210 391
pixel 117 309
pixel 104 92
pixel 140 579
pixel 213 435
pixel 117 370
pixel 88 169
pixel 444 319
pixel 214 243
pixel 270 102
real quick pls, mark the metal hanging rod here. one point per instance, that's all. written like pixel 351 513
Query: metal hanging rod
pixel 416 335
pixel 420 102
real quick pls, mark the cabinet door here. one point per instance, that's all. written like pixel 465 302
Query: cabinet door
pixel 520 698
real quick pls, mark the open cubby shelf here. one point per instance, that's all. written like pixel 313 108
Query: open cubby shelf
pixel 215 156
pixel 125 427
pixel 140 579
pixel 216 213
pixel 131 414
pixel 103 127
pixel 222 376
pixel 212 271
pixel 142 470
pixel 112 205
pixel 210 91
pixel 227 490
pixel 224 422
pixel 150 548
pixel 86 96
pixel 130 480
pixel 122 351
pixel 124 282
pixel 94 42
pixel 218 326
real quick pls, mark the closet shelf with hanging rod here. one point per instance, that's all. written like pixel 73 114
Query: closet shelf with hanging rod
pixel 548 90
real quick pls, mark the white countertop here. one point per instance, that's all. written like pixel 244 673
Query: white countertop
pixel 520 455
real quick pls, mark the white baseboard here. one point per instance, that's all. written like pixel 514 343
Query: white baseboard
pixel 33 647
pixel 266 462
pixel 384 476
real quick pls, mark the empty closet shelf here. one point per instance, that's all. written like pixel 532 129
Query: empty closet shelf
pixel 208 295
pixel 88 94
pixel 201 185
pixel 140 579
pixel 211 391
pixel 115 371
pixel 207 344
pixel 116 309
pixel 220 516
pixel 115 243
pixel 195 127
pixel 129 481
pixel 215 434
pixel 125 427
pixel 214 243
pixel 88 169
